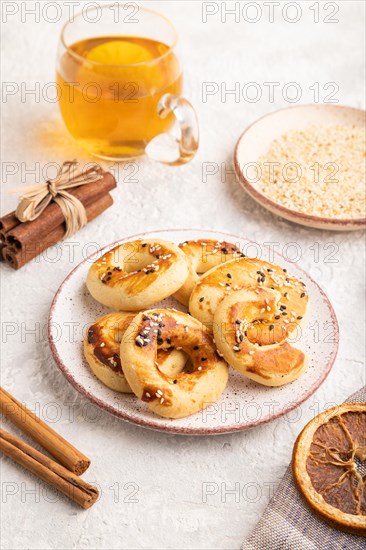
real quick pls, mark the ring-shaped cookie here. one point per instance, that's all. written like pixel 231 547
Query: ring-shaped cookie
pixel 202 255
pixel 102 346
pixel 137 274
pixel 182 394
pixel 266 362
pixel 227 278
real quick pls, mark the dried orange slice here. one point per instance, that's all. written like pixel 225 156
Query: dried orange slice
pixel 329 466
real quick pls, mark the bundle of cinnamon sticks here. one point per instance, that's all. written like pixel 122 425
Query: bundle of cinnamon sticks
pixel 20 242
pixel 62 475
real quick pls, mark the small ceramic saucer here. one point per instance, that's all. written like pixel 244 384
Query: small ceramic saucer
pixel 257 138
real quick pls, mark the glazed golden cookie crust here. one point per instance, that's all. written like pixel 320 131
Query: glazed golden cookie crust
pixel 137 274
pixel 270 360
pixel 182 394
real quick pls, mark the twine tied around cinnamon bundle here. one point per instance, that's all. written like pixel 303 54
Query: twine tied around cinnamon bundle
pixel 36 198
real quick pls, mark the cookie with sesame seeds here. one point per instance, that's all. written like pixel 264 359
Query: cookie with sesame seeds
pixel 202 255
pixel 102 351
pixel 215 285
pixel 137 274
pixel 269 360
pixel 199 384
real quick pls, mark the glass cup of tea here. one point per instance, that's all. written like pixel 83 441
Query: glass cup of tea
pixel 120 84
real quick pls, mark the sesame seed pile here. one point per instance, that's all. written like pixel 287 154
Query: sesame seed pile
pixel 318 171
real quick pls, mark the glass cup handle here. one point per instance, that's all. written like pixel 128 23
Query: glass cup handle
pixel 170 148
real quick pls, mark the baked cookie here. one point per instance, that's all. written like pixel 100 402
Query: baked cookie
pixel 264 360
pixel 181 394
pixel 137 274
pixel 202 255
pixel 102 345
pixel 227 278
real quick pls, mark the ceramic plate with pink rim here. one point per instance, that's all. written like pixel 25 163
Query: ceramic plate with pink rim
pixel 244 404
pixel 257 139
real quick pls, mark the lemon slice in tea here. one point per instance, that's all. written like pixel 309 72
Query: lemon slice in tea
pixel 125 64
pixel 120 52
pixel 329 466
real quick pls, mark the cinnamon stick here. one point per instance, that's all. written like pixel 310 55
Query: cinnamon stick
pixel 50 440
pixel 33 231
pixel 44 467
pixel 7 223
pixel 17 258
